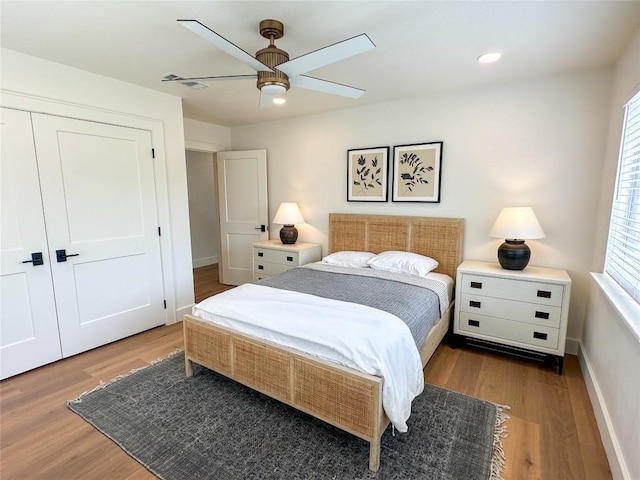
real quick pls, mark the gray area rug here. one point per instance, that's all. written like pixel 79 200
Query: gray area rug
pixel 210 427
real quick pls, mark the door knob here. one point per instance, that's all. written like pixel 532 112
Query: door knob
pixel 36 259
pixel 61 255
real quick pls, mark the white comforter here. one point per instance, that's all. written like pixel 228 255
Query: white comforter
pixel 329 329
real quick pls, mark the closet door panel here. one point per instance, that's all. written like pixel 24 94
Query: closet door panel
pixel 28 324
pixel 99 198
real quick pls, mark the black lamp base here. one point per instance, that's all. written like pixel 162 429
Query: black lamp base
pixel 514 255
pixel 288 234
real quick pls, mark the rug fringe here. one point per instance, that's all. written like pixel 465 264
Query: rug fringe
pixel 498 460
pixel 104 384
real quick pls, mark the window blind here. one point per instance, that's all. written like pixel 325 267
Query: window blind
pixel 623 249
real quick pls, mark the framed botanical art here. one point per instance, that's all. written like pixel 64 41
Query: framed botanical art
pixel 417 172
pixel 367 174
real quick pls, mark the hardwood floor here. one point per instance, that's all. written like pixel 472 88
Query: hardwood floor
pixel 205 282
pixel 552 433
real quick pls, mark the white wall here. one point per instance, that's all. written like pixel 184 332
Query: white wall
pixel 40 85
pixel 610 353
pixel 203 208
pixel 537 142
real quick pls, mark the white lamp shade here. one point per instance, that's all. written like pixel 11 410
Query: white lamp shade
pixel 517 223
pixel 288 214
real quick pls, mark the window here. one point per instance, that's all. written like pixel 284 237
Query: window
pixel 622 262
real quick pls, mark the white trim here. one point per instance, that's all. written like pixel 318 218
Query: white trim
pixel 200 146
pixel 617 465
pixel 627 308
pixel 203 262
pixel 38 104
pixel 186 310
pixel 572 346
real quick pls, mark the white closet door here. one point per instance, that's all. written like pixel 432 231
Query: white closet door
pixel 28 324
pixel 99 201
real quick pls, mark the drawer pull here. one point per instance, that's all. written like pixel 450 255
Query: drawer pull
pixel 474 303
pixel 289 259
pixel 261 254
pixel 476 284
pixel 544 294
pixel 544 315
pixel 260 267
pixel 540 335
pixel 474 323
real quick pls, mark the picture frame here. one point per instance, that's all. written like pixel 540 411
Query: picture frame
pixel 417 172
pixel 367 174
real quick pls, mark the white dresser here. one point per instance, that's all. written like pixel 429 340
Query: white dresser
pixel 272 256
pixel 523 311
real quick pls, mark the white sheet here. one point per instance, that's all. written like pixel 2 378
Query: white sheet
pixel 331 330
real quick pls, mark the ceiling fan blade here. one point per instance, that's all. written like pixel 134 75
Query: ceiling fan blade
pixel 266 101
pixel 325 86
pixel 327 55
pixel 224 45
pixel 218 77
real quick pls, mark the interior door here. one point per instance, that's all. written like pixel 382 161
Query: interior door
pixel 99 200
pixel 28 323
pixel 242 203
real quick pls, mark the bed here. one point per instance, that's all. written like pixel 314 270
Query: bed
pixel 344 397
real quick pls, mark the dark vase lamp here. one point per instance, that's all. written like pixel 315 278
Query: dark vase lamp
pixel 288 215
pixel 515 225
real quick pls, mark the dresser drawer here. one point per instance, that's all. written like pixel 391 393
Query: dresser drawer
pixel 525 312
pixel 269 268
pixel 520 290
pixel 276 256
pixel 520 334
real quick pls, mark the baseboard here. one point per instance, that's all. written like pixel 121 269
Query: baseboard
pixel 617 465
pixel 572 345
pixel 203 262
pixel 182 311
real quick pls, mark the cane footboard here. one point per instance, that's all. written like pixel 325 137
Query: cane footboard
pixel 346 398
pixel 343 397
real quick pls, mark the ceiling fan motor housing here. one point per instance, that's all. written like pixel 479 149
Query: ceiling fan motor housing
pixel 272 56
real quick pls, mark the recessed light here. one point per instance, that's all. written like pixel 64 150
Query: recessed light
pixel 489 57
pixel 279 101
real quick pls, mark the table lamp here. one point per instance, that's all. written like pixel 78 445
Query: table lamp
pixel 288 215
pixel 515 225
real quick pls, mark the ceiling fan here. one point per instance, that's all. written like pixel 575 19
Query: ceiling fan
pixel 274 71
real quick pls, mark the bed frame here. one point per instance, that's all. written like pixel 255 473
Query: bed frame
pixel 343 397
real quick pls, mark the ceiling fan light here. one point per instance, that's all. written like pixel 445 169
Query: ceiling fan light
pixel 490 57
pixel 279 101
pixel 273 89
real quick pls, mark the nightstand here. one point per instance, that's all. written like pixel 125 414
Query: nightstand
pixel 523 312
pixel 272 256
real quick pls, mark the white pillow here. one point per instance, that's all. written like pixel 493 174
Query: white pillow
pixel 349 259
pixel 403 262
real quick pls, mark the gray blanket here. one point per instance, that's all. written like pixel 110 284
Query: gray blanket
pixel 416 306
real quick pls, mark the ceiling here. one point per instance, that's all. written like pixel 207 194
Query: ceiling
pixel 422 47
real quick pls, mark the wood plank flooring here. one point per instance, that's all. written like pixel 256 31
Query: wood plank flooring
pixel 205 282
pixel 552 430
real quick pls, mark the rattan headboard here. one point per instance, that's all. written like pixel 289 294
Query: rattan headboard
pixel 438 238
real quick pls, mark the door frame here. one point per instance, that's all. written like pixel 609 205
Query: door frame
pixel 34 104
pixel 212 148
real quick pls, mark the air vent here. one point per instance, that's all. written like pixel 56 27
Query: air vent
pixel 194 85
pixel 172 77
